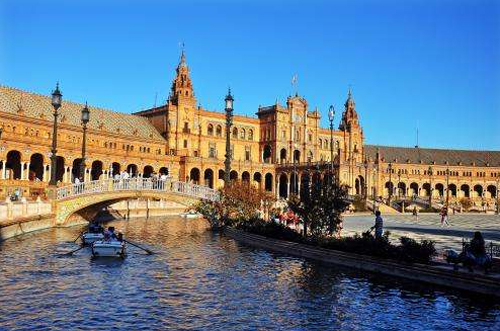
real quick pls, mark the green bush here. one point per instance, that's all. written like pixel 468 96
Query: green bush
pixel 409 250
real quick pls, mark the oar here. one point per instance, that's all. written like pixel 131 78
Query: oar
pixel 78 237
pixel 70 253
pixel 144 249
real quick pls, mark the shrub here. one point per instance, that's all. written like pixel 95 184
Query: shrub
pixel 270 229
pixel 412 251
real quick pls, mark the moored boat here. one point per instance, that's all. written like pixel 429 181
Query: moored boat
pixel 108 248
pixel 190 214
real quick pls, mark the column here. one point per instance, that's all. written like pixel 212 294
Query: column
pixel 65 175
pixel 27 174
pixel 47 173
pixel 4 168
pixel 70 173
pixel 22 170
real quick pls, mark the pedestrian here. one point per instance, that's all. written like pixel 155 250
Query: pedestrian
pixel 444 217
pixel 415 213
pixel 379 225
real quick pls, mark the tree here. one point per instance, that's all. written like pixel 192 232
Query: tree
pixel 240 202
pixel 321 207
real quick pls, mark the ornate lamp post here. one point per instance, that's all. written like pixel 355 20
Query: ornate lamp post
pixel 447 188
pixel 56 103
pixel 331 115
pixel 85 120
pixel 429 171
pixel 399 184
pixel 229 121
pixel 390 182
pixel 498 198
pixel 365 188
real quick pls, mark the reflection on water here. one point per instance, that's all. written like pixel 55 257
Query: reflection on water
pixel 201 280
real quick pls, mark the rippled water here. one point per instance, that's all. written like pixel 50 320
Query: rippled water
pixel 199 280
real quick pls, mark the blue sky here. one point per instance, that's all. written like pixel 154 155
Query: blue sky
pixel 431 64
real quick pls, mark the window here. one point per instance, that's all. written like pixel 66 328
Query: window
pixel 320 144
pixel 210 130
pixel 250 134
pixel 242 134
pixel 283 134
pixel 235 133
pixel 185 143
pixel 218 131
pixel 212 151
pixel 310 137
pixel 247 153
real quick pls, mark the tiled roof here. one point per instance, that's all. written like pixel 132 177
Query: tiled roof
pixel 29 104
pixel 430 155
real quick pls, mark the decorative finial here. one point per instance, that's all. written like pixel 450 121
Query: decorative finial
pixel 183 55
pixel 349 92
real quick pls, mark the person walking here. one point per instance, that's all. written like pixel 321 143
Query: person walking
pixel 444 217
pixel 379 225
pixel 415 213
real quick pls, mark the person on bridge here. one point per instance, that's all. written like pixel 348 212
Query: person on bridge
pixel 379 225
pixel 444 216
pixel 415 213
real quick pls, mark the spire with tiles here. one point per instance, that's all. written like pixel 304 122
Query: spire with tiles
pixel 182 88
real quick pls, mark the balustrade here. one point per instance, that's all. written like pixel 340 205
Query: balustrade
pixel 136 184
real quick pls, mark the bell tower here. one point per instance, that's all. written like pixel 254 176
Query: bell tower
pixel 181 92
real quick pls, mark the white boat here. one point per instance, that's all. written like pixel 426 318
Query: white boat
pixel 112 248
pixel 88 238
pixel 190 214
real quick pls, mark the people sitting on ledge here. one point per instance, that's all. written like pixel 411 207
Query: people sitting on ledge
pixel 473 254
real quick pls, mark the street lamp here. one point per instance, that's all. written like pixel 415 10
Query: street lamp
pixel 331 115
pixel 390 183
pixel 56 103
pixel 229 121
pixel 399 184
pixel 498 198
pixel 429 171
pixel 365 188
pixel 85 120
pixel 447 187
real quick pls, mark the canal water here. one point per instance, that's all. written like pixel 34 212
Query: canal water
pixel 199 280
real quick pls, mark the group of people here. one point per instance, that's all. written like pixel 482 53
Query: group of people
pixel 109 233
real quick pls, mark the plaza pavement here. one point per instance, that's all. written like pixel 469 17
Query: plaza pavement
pixel 428 227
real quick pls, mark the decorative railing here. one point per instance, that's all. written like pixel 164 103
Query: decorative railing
pixel 137 184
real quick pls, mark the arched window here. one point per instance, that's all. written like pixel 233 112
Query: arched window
pixel 218 131
pixel 235 133
pixel 320 144
pixel 250 134
pixel 242 134
pixel 210 130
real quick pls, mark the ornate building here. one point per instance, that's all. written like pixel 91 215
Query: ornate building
pixel 278 150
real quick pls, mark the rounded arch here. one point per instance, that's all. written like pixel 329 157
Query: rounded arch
pixel 440 189
pixel 36 167
pixel 283 155
pixel 210 129
pixel 218 130
pixel 296 156
pixel 414 189
pixel 268 182
pixel 221 174
pixel 402 189
pixel 465 190
pixel 164 171
pixel 116 168
pixel 132 169
pixel 267 154
pixel 389 188
pixel 77 163
pixel 235 133
pixel 60 170
pixel 147 171
pixel 257 177
pixel 245 176
pixel 452 188
pixel 194 175
pixel 250 134
pixel 208 177
pixel 242 133
pixel 13 165
pixel 283 186
pixel 478 189
pixel 233 175
pixel 426 190
pixel 492 191
pixel 96 170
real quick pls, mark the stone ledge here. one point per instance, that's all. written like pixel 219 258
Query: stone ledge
pixel 438 274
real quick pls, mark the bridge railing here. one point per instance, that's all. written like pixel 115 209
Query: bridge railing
pixel 137 184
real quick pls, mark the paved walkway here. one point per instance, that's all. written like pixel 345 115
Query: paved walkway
pixel 428 227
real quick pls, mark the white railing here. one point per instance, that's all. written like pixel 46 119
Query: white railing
pixel 137 184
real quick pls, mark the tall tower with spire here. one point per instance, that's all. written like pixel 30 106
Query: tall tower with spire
pixel 181 91
pixel 352 154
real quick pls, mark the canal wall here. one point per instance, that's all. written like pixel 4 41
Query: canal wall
pixel 39 217
pixel 438 274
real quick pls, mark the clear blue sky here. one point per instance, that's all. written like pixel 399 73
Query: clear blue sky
pixel 431 63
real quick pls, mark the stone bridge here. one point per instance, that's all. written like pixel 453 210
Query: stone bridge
pixel 88 198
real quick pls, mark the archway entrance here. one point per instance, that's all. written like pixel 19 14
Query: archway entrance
pixel 96 170
pixel 283 186
pixel 268 182
pixel 267 154
pixel 147 172
pixel 13 165
pixel 209 178
pixel 194 176
pixel 36 167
